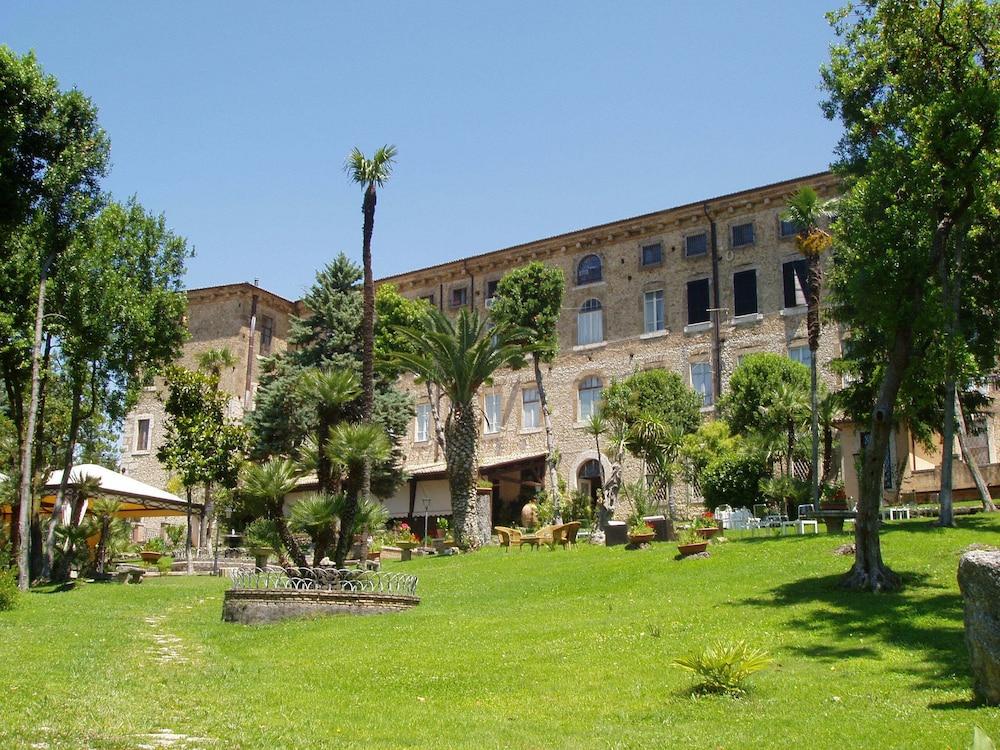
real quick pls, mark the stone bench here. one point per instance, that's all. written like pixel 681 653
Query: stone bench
pixel 129 574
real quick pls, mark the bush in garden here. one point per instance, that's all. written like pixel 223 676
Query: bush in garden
pixel 733 480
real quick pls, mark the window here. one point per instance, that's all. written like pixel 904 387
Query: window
pixel 590 397
pixel 745 292
pixel 742 234
pixel 652 255
pixel 801 354
pixel 696 244
pixel 492 414
pixel 423 423
pixel 795 278
pixel 590 323
pixel 701 381
pixel 698 301
pixel 653 307
pixel 459 296
pixel 142 426
pixel 589 270
pixel 787 229
pixel 491 288
pixel 266 333
pixel 531 409
pixel 429 299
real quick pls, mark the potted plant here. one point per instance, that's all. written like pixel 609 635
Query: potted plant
pixel 442 541
pixel 403 537
pixel 833 496
pixel 640 532
pixel 152 550
pixel 705 526
pixel 690 543
pixel 262 540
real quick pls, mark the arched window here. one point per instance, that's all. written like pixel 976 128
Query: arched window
pixel 590 323
pixel 589 270
pixel 590 396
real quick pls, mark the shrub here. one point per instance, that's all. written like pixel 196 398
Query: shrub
pixel 262 532
pixel 8 589
pixel 753 385
pixel 733 480
pixel 164 564
pixel 578 508
pixel 725 667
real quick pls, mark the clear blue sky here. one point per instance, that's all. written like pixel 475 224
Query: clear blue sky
pixel 514 120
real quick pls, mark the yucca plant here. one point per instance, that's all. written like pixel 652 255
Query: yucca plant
pixel 317 515
pixel 725 667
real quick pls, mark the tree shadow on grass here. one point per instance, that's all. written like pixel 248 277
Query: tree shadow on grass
pixel 924 619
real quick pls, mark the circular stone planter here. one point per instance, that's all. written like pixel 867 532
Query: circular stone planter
pixel 150 556
pixel 707 532
pixel 692 549
pixel 252 607
pixel 638 539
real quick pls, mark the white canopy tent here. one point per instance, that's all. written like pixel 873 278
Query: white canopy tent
pixel 138 499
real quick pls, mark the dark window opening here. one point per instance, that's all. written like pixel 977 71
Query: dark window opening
pixel 697 293
pixel 742 234
pixel 459 296
pixel 589 270
pixel 266 333
pixel 795 280
pixel 696 244
pixel 652 255
pixel 745 292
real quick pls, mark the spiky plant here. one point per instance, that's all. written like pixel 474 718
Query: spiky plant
pixel 725 667
pixel 214 361
pixel 103 510
pixel 263 488
pixel 329 392
pixel 317 516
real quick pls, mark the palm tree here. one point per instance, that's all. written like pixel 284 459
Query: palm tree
pixel 317 516
pixel 459 358
pixel 658 444
pixel 355 448
pixel 371 173
pixel 329 392
pixel 264 487
pixel 805 210
pixel 104 511
pixel 214 361
pixel 786 414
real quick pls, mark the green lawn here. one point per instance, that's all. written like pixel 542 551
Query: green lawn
pixel 521 649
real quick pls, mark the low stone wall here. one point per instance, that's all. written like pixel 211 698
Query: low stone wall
pixel 979 580
pixel 252 607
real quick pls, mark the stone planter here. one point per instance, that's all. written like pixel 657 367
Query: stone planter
pixel 693 548
pixel 644 538
pixel 260 555
pixel 707 532
pixel 440 545
pixel 150 556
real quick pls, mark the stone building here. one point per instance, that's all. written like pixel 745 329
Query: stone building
pixel 251 323
pixel 692 289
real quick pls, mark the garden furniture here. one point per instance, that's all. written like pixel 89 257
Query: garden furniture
pixel 508 536
pixel 129 574
pixel 533 540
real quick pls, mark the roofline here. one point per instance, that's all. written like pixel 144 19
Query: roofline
pixel 240 285
pixel 597 227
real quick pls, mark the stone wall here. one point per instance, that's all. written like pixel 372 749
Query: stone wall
pixel 274 605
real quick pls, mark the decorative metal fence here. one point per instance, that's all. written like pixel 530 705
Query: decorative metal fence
pixel 323 579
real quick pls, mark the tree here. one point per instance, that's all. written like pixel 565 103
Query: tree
pixel 53 153
pixel 461 357
pixel 529 298
pixel 201 445
pixel 372 174
pixel 785 415
pixel 317 515
pixel 104 511
pixel 805 210
pixel 654 409
pixel 214 361
pixel 753 386
pixel 915 85
pixel 262 492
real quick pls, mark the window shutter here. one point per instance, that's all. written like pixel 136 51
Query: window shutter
pixel 745 292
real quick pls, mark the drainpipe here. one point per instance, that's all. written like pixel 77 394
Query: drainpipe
pixel 716 334
pixel 253 332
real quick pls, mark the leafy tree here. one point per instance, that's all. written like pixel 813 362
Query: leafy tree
pixel 734 480
pixel 317 515
pixel 805 210
pixel 201 445
pixel 393 311
pixel 915 85
pixel 461 357
pixel 529 298
pixel 54 153
pixel 753 386
pixel 214 361
pixel 712 440
pixel 784 415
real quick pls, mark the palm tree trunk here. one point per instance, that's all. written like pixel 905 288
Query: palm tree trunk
pixel 27 445
pixel 462 438
pixel 813 326
pixel 102 545
pixel 294 550
pixel 435 415
pixel 550 451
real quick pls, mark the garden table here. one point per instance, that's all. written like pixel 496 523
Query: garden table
pixel 533 539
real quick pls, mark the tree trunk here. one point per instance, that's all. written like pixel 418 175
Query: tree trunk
pixel 789 461
pixel 208 519
pixel 550 450
pixel 946 515
pixel 462 439
pixel 102 545
pixel 869 571
pixel 187 543
pixel 48 553
pixel 368 331
pixel 970 461
pixel 827 453
pixel 813 326
pixel 435 415
pixel 294 550
pixel 27 445
pixel 671 506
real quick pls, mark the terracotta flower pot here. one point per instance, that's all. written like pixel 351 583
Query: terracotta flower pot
pixel 150 556
pixel 707 532
pixel 693 548
pixel 643 538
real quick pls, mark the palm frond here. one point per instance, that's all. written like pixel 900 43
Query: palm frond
pixel 374 171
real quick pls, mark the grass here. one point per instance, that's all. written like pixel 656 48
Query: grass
pixel 531 649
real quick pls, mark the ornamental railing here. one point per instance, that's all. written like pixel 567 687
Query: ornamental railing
pixel 323 579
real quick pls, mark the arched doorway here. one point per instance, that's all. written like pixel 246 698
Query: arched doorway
pixel 588 478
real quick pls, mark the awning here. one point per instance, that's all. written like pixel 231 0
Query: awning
pixel 439 469
pixel 138 499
